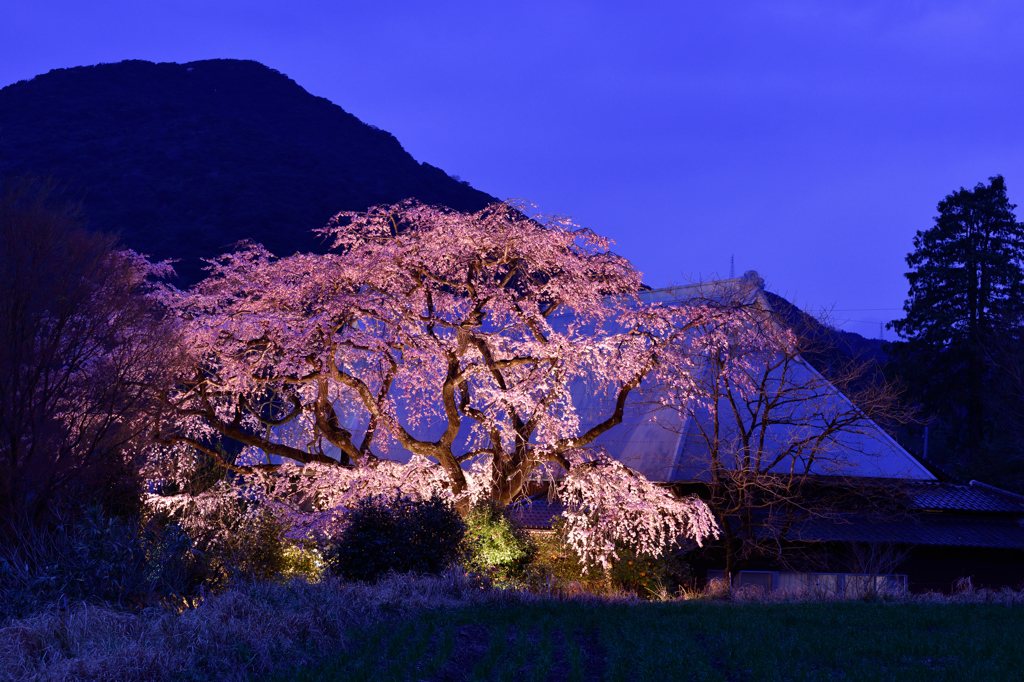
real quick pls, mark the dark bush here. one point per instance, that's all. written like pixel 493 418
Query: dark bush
pixel 238 539
pixel 116 487
pixel 94 557
pixel 397 534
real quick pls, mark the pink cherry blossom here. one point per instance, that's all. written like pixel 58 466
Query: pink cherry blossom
pixel 454 338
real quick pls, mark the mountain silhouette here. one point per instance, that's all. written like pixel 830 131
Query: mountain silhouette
pixel 185 160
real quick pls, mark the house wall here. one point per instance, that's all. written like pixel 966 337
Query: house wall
pixel 927 568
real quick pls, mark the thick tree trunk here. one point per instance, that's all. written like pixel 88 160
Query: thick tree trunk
pixel 506 482
pixel 975 407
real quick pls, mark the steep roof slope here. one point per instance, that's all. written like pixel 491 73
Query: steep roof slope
pixel 184 160
pixel 664 444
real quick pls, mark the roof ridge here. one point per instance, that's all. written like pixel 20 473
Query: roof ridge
pixel 937 482
pixel 998 491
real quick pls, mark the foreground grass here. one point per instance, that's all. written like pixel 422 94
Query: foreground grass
pixel 449 628
pixel 688 641
pixel 247 632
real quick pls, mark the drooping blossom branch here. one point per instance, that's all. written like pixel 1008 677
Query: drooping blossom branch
pixel 607 503
pixel 423 326
pixel 456 338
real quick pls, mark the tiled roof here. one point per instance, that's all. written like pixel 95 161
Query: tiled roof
pixel 938 530
pixel 535 514
pixel 945 529
pixel 664 443
pixel 973 498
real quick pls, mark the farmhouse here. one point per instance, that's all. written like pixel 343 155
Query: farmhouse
pixel 809 490
pixel 955 532
pixel 887 518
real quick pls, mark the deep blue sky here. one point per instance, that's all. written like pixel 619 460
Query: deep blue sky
pixel 809 139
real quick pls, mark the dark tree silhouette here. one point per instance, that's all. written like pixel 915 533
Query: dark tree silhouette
pixel 78 344
pixel 963 320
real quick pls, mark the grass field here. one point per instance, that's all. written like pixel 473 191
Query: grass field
pixel 689 641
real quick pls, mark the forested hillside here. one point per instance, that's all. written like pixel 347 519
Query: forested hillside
pixel 826 344
pixel 184 160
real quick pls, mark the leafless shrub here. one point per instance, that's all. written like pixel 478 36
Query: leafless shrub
pixel 963 586
pixel 875 558
pixel 718 589
pixel 773 445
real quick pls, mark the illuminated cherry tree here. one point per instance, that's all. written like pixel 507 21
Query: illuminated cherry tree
pixel 456 338
pixel 607 503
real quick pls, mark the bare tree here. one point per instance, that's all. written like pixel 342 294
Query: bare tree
pixel 78 342
pixel 772 443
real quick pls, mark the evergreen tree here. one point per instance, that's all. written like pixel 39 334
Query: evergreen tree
pixel 963 320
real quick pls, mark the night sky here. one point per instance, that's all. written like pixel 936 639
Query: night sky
pixel 809 140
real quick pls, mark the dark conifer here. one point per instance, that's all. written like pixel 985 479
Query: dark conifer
pixel 963 318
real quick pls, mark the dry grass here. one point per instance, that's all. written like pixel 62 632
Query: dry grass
pixel 964 592
pixel 244 633
pixel 256 630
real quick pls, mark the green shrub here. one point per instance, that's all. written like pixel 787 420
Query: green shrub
pixel 255 547
pixel 397 534
pixel 300 561
pixel 238 539
pixel 252 546
pixel 497 547
pixel 643 574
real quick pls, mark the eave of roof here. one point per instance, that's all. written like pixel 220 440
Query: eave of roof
pixel 932 530
pixel 973 497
